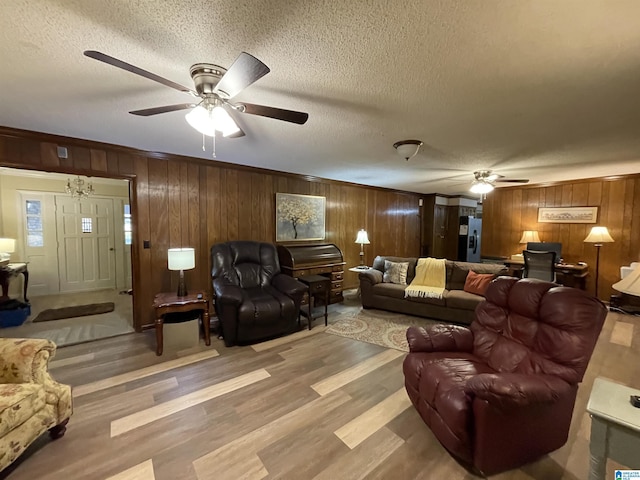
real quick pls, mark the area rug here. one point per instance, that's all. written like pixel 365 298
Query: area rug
pixel 386 329
pixel 75 311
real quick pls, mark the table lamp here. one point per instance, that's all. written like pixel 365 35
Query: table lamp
pixel 7 247
pixel 363 240
pixel 530 236
pixel 181 259
pixel 527 236
pixel 598 236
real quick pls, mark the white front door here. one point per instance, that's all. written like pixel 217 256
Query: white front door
pixel 86 243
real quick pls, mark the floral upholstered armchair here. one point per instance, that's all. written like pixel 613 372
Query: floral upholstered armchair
pixel 31 402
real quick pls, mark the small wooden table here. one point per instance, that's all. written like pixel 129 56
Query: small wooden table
pixel 358 269
pixel 615 427
pixel 164 303
pixel 12 270
pixel 318 286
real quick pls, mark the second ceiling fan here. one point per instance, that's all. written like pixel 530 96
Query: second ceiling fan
pixel 215 86
pixel 485 180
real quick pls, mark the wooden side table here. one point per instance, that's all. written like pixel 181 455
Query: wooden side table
pixel 319 286
pixel 164 303
pixel 12 270
pixel 362 268
pixel 615 427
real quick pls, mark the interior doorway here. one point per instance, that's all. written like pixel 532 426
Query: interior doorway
pixel 78 251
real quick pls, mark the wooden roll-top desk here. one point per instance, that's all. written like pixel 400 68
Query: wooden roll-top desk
pixel 320 259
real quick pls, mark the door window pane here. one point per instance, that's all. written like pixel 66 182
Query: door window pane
pixel 35 240
pixel 33 222
pixel 127 225
pixel 87 226
pixel 33 207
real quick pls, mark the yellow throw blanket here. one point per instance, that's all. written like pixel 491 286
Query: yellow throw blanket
pixel 430 279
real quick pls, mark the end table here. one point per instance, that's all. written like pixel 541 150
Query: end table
pixel 164 303
pixel 318 286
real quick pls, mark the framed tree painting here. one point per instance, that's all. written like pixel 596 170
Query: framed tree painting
pixel 299 217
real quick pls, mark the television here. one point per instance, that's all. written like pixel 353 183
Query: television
pixel 547 247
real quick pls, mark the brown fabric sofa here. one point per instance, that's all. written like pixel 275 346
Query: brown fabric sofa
pixel 31 402
pixel 500 393
pixel 456 305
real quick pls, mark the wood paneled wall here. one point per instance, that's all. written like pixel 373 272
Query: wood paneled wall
pixel 507 212
pixel 179 201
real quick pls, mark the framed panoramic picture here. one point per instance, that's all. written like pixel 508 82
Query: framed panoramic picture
pixel 299 217
pixel 568 214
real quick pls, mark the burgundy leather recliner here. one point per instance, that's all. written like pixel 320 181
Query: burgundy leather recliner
pixel 501 392
pixel 253 299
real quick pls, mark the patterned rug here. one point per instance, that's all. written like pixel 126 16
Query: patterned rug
pixel 386 329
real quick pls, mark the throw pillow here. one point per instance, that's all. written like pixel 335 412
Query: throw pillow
pixel 395 272
pixel 477 282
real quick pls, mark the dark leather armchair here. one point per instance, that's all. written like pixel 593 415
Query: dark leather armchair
pixel 253 300
pixel 540 265
pixel 501 392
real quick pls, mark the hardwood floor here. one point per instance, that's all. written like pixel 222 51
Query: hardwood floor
pixel 311 405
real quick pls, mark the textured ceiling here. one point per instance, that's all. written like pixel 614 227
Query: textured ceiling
pixel 530 88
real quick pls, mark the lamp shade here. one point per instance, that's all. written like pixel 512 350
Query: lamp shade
pixel 530 236
pixel 362 237
pixel 629 284
pixel 599 235
pixel 208 120
pixel 8 245
pixel 181 258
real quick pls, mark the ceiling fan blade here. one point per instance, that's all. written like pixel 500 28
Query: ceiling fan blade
pixel 509 180
pixel 245 70
pixel 272 112
pixel 137 70
pixel 238 134
pixel 147 112
pixel 234 116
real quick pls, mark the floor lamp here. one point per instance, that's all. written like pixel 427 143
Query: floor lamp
pixel 598 236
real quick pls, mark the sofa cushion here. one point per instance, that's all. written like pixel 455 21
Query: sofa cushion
pixel 378 264
pixel 477 283
pixel 18 403
pixel 395 272
pixel 463 300
pixel 456 276
pixel 459 271
pixel 442 302
pixel 392 290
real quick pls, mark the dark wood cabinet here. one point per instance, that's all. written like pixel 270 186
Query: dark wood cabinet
pixel 319 259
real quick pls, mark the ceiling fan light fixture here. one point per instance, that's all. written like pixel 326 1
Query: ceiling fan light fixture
pixel 408 148
pixel 223 122
pixel 481 187
pixel 207 120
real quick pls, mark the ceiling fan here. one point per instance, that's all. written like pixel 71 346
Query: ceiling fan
pixel 215 86
pixel 484 181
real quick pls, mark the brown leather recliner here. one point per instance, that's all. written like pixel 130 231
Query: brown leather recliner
pixel 501 392
pixel 253 300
